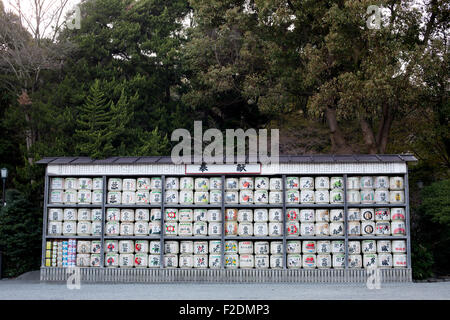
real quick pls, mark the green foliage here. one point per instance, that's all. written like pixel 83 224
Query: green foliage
pixel 422 262
pixel 436 202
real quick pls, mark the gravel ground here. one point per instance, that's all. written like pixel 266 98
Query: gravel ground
pixel 27 289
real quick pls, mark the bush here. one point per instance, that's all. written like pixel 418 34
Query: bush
pixel 422 262
pixel 20 235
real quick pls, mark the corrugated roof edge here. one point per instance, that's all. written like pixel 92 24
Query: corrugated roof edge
pixel 318 158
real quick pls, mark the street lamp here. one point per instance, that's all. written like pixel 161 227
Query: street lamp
pixel 4 174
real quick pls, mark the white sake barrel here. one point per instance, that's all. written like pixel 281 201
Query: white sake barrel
pixel 307 196
pixel 69 228
pixel 261 247
pixel 399 260
pixel 142 215
pixel 292 196
pixel 292 214
pixel 96 228
pixel 231 184
pixel 143 184
pixel 214 229
pixel 367 214
pixel 155 247
pixel 337 246
pixel 354 261
pixel 84 196
pixel 200 228
pixel 261 183
pixel 170 214
pixel 185 215
pixel 114 197
pixel 171 228
pixel 366 182
pixel 322 229
pixel 126 229
pixel 141 246
pixel 214 261
pixel 111 260
pixel 57 183
pixel 96 246
pixel 382 214
pixel 170 261
pixel 171 197
pixel 231 246
pixel 231 214
pixel 353 196
pixel 354 247
pixel 337 215
pixel 97 197
pixel 112 246
pixel 141 228
pixel 142 197
pixel 261 196
pixel 309 261
pixel 155 197
pixel 368 228
pixel 126 246
pixel 97 184
pixel 246 261
pixel 112 228
pixel 214 215
pixel 292 183
pixel 381 196
pixel 154 228
pixel 307 229
pixel 70 183
pixel 338 261
pixel 55 214
pixel 155 214
pixel 275 184
pixel 367 196
pixel 276 247
pixel 232 197
pixel 275 197
pixel 309 246
pixel 323 246
pixel 114 184
pixel 245 229
pixel 215 246
pixel 83 246
pixel 398 228
pixel 127 215
pixel 70 214
pixel 276 261
pixel 322 215
pixel 246 197
pixel 260 229
pixel 383 228
pixel 368 246
pixel 172 247
pixel 384 260
pixel 141 260
pixel 261 215
pixel 337 196
pixel 128 197
pixel 70 196
pixel 231 261
pixel 201 197
pixel 201 184
pixel 156 183
pixel 246 183
pixel 215 183
pixel 293 246
pixel 200 215
pixel 370 260
pixel 56 196
pixel 398 246
pixel 154 260
pixel 397 196
pixel 322 183
pixel 307 183
pixel 396 183
pixel 275 229
pixel 384 246
pixel 245 247
pixel 307 215
pixel 262 261
pixel 354 228
pixel 129 185
pixel 84 214
pixel 398 214
pixel 245 215
pixel 200 247
pixel 172 183
pixel 186 183
pixel 97 215
pixel 323 261
pixel 294 261
pixel 275 215
pixel 336 229
pixel 381 182
pixel 337 183
pixel 353 214
pixel 186 247
pixel 215 197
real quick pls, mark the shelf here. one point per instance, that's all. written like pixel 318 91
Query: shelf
pixel 132 237
pixel 252 238
pixel 314 238
pixel 55 205
pixel 371 237
pixel 229 205
pixel 192 238
pixel 375 205
pixel 315 205
pixel 73 237
pixel 143 206
pixel 195 206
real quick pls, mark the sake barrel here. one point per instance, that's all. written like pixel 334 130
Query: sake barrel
pixel 275 229
pixel 337 182
pixel 200 215
pixel 275 215
pixel 215 246
pixel 154 228
pixel 398 214
pixel 96 246
pixel 171 228
pixel 84 228
pixel 84 214
pixel 336 228
pixel 127 215
pixel 370 260
pixel 56 196
pixel 396 183
pixel 322 229
pixel 245 229
pixel 201 197
pixel 97 197
pixel 55 214
pixel 143 184
pixel 84 196
pixel 354 228
pixel 231 197
pixel 111 260
pixel 170 261
pixel 214 228
pixel 155 197
pixel 323 246
pixel 231 184
pixel 275 197
pixel 261 215
pixel 396 196
pixel 231 214
pixel 337 196
pixel 142 197
pixel 215 197
pixel 366 182
pixel 398 228
pixel 186 247
pixel 200 247
pixel 128 197
pixel 214 261
pixel 337 246
pixel 83 260
pixel 382 214
pixel 141 228
pixel 336 215
pixel 171 197
pixel 69 228
pixel 126 246
pixel 156 183
pixel 186 183
pixel 368 228
pixel 246 183
pixel 367 196
pixel 309 246
pixel 309 261
pixel 215 183
pixel 307 196
pixel 114 197
pixel 141 246
pixel 129 185
pixel 353 196
pixel 323 261
pixel 261 196
pixel 262 261
pixel 276 247
pixel 275 184
pixel 368 246
pixel 231 246
pixel 126 228
pixel 292 183
pixel 307 229
pixel 292 214
pixel 245 215
pixel 246 197
pixel 353 214
pixel 96 228
pixel 172 183
pixel 260 229
pixel 200 228
pixel 322 183
pixel 246 261
pixel 293 246
pixel 399 260
pixel 384 260
pixel 307 215
pixel 57 183
pixel 83 246
pixel 112 246
pixel 201 184
pixel 231 261
pixel 292 228
pixel 338 261
pixel 381 196
pixel 292 196
pixel 70 196
pixel 261 247
pixel 294 261
pixel 276 261
pixel 383 228
pixel 155 214
pixel 214 215
pixel 154 260
pixel 384 246
pixel 354 261
pixel 70 183
pixel 354 247
pixel 185 215
pixel 261 183
pixel 142 215
pixel 245 247
pixel 307 183
pixel 172 247
pixel 170 214
pixel 322 215
pixel 141 260
pixel 96 214
pixel 97 184
pixel 114 184
pixel 367 214
pixel 381 182
pixel 154 247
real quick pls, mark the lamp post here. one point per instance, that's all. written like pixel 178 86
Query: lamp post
pixel 4 174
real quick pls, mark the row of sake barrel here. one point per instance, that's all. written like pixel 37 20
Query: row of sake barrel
pixel 71 221
pixel 380 189
pixel 76 190
pixel 60 253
